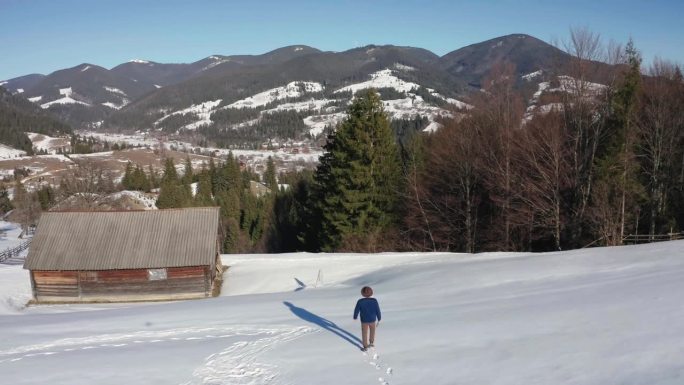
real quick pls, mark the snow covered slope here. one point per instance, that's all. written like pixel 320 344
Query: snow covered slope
pixel 593 316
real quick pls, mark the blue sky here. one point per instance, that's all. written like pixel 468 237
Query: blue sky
pixel 46 35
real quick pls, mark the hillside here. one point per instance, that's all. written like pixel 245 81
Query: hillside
pixel 585 316
pixel 19 116
pixel 195 99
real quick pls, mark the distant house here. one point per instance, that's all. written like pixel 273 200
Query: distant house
pixel 120 256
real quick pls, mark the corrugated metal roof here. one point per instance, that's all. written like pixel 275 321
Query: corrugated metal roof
pixel 124 239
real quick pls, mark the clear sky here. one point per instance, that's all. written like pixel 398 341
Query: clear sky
pixel 41 36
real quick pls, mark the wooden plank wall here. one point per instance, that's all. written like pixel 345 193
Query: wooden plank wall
pixel 62 284
pixel 121 285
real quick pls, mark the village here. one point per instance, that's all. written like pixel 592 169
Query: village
pixel 113 152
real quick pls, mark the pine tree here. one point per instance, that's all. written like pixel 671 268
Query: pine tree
pixel 203 196
pixel 172 193
pixel 170 173
pixel 617 185
pixel 139 180
pixel 5 203
pixel 152 177
pixel 357 183
pixel 126 181
pixel 270 175
pixel 188 174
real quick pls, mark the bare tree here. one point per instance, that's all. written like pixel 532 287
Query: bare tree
pixel 86 183
pixel 542 156
pixel 418 227
pixel 660 126
pixel 448 189
pixel 585 110
pixel 497 116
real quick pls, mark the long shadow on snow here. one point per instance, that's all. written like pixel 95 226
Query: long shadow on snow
pixel 324 323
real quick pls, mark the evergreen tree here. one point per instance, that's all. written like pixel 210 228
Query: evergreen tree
pixel 170 173
pixel 270 175
pixel 172 192
pixel 46 197
pixel 152 177
pixel 617 185
pixel 187 174
pixel 357 183
pixel 203 196
pixel 126 180
pixel 5 203
pixel 139 180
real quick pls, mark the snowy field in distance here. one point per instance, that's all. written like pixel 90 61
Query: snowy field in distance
pixel 594 316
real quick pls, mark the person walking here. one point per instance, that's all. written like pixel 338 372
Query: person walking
pixel 369 309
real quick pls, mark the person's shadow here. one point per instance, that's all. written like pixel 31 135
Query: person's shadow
pixel 325 324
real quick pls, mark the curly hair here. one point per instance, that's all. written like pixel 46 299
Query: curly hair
pixel 366 291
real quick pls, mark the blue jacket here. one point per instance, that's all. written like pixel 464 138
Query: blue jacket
pixel 369 309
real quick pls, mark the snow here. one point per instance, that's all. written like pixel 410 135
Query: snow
pixel 291 90
pixel 432 127
pixel 403 67
pixel 115 106
pixel 381 79
pixel 115 90
pixel 532 75
pixel 35 99
pixel 312 104
pixel 217 60
pixel 149 201
pixel 7 152
pixel 592 316
pixel 157 86
pixel 570 84
pixel 202 110
pixel 2 83
pixel 454 102
pixel 317 123
pixel 86 68
pixel 298 49
pixel 67 99
pixel 139 61
pixel 48 143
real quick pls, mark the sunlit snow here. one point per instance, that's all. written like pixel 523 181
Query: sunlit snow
pixel 291 90
pixel 592 317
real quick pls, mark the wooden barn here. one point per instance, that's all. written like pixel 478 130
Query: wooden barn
pixel 121 256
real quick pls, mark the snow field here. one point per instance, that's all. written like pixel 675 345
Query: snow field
pixel 67 99
pixel 7 152
pixel 592 316
pixel 291 90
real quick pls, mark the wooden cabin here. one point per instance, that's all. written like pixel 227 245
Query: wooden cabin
pixel 121 256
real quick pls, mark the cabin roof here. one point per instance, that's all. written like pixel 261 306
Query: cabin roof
pixel 108 240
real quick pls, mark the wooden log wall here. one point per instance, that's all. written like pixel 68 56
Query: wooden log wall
pixel 121 285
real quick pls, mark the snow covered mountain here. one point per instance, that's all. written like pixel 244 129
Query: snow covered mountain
pixel 592 316
pixel 289 93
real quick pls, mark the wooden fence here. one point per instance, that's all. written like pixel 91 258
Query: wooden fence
pixel 633 239
pixel 15 251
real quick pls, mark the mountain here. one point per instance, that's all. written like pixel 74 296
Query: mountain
pixel 528 54
pixel 22 83
pixel 18 116
pixel 290 93
pixel 294 92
